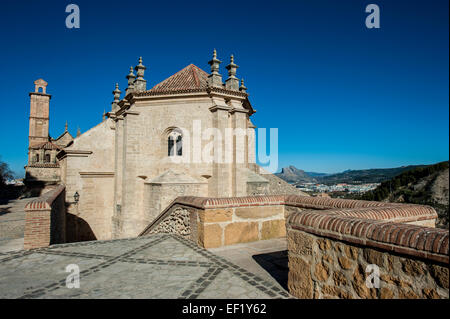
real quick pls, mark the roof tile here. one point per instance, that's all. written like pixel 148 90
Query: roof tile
pixel 191 77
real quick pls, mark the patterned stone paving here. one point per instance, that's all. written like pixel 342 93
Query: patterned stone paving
pixel 12 224
pixel 156 266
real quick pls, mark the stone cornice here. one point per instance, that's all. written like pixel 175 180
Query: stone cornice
pixel 207 90
pixel 39 117
pixel 220 107
pixel 238 110
pixel 96 174
pixel 41 94
pixel 72 153
pixel 43 165
pixel 130 113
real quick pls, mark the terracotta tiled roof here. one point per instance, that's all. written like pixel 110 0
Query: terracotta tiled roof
pixel 46 146
pixel 189 78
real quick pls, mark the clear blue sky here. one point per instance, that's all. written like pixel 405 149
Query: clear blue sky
pixel 342 96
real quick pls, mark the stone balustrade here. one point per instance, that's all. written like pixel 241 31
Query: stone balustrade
pixel 45 219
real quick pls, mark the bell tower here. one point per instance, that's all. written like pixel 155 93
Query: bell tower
pixel 39 114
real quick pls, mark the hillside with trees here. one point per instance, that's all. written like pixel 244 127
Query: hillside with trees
pixel 427 185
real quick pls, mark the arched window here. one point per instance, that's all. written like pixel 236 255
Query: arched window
pixel 170 151
pixel 37 158
pixel 179 145
pixel 47 158
pixel 175 144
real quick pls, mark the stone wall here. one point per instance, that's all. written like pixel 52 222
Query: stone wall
pixel 320 267
pixel 160 192
pixel 143 125
pixel 87 167
pixel 43 173
pixel 233 225
pixel 330 241
pixel 330 250
pixel 45 219
pixel 216 222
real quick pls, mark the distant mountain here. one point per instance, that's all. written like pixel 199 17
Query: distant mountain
pixel 314 174
pixel 427 185
pixel 291 174
pixel 375 175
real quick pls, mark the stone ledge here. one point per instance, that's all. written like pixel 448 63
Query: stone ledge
pixel 45 201
pixel 412 240
pixel 344 207
pixel 376 224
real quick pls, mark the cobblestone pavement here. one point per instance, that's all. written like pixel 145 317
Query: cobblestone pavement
pixel 12 224
pixel 156 266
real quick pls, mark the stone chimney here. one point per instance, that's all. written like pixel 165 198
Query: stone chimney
pixel 140 84
pixel 215 79
pixel 232 83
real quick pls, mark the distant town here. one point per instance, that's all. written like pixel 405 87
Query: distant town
pixel 336 188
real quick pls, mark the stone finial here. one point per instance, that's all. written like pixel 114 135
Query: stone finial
pixel 131 78
pixel 104 115
pixel 140 84
pixel 215 79
pixel 243 88
pixel 232 83
pixel 78 131
pixel 65 127
pixel 116 93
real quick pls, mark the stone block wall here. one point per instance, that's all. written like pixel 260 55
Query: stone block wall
pixel 233 225
pixel 320 267
pixel 216 222
pixel 87 168
pixel 330 241
pixel 330 251
pixel 157 196
pixel 43 172
pixel 45 219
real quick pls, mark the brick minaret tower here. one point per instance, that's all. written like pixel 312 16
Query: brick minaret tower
pixel 39 114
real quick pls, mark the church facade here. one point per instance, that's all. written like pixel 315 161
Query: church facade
pixel 191 134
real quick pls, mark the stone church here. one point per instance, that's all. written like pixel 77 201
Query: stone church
pixel 122 173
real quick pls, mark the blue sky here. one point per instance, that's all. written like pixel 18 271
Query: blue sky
pixel 341 95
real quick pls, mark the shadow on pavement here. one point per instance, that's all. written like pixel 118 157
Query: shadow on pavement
pixel 5 210
pixel 276 264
